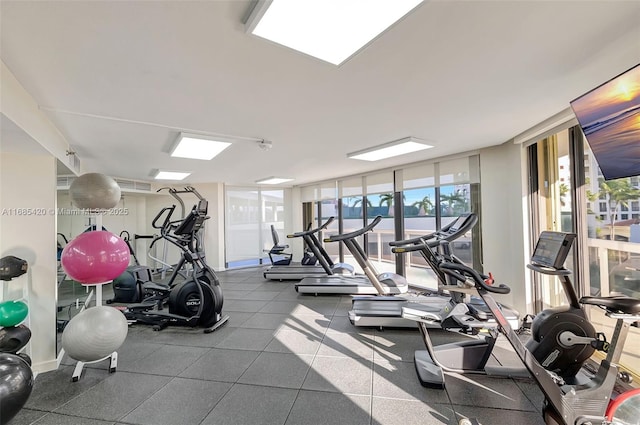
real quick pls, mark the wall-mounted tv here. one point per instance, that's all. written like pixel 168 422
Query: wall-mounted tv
pixel 610 119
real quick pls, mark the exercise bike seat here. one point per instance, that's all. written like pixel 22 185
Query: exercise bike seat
pixel 615 304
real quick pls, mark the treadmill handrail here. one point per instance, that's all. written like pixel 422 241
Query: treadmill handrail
pixel 311 231
pixel 415 240
pixel 356 233
pixel 416 247
pixel 442 234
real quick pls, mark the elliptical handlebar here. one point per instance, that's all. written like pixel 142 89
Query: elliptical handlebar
pixel 356 233
pixel 462 271
pixel 166 221
pixel 175 193
pixel 311 231
pixel 166 227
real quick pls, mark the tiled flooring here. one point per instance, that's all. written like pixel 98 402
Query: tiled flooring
pixel 281 359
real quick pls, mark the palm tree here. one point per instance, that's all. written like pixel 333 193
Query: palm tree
pixel 564 189
pixel 387 198
pixel 425 206
pixel 356 202
pixel 617 192
pixel 591 197
pixel 448 202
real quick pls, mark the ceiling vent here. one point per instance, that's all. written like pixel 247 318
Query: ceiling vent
pixel 126 185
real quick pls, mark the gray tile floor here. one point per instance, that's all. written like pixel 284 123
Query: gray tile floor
pixel 281 359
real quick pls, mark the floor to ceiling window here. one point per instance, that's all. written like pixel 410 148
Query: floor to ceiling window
pixel 353 207
pixel 326 209
pixel 430 195
pixel 610 263
pixel 379 197
pixel 434 195
pixel 249 214
pixel 613 238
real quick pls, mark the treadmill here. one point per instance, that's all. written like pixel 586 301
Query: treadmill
pixel 386 311
pixel 371 283
pixel 326 266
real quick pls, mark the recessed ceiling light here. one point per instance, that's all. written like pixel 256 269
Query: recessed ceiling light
pixel 331 30
pixel 273 180
pixel 391 149
pixel 171 175
pixel 198 147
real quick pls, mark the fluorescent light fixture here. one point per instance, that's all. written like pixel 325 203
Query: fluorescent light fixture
pixel 388 150
pixel 171 175
pixel 198 147
pixel 273 180
pixel 331 30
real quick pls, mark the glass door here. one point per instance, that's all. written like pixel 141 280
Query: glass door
pixel 554 209
pixel 605 214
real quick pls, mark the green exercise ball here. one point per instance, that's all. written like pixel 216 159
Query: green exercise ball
pixel 12 313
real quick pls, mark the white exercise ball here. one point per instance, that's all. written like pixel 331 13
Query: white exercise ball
pixel 95 333
pixel 94 191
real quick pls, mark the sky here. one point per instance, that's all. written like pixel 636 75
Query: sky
pixel 619 94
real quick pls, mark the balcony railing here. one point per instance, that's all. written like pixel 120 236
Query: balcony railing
pixel 614 264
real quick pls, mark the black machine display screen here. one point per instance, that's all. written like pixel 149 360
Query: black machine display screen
pixel 552 249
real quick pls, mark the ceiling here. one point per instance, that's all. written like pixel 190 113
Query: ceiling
pixel 120 80
pixel 13 139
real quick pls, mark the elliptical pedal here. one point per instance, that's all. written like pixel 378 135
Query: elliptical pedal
pixel 223 321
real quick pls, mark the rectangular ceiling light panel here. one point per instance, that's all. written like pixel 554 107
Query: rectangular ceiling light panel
pixel 171 175
pixel 331 30
pixel 198 147
pixel 273 180
pixel 388 150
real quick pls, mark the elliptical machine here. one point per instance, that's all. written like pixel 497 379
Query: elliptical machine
pixel 196 301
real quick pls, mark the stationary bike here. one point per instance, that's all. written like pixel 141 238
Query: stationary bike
pixel 585 400
pixel 561 337
pixel 196 301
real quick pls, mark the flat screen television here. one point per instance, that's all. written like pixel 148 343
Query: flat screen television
pixel 610 119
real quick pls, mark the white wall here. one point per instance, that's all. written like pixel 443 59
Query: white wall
pixel 505 228
pixel 214 236
pixel 29 181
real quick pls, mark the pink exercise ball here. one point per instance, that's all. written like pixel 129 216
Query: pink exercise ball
pixel 95 257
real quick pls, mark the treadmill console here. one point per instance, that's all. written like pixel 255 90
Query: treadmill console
pixel 460 222
pixel 457 225
pixel 552 249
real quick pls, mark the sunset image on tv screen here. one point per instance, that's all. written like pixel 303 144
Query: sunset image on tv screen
pixel 610 119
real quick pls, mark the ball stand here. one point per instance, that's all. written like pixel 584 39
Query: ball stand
pixel 97 290
pixel 113 357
